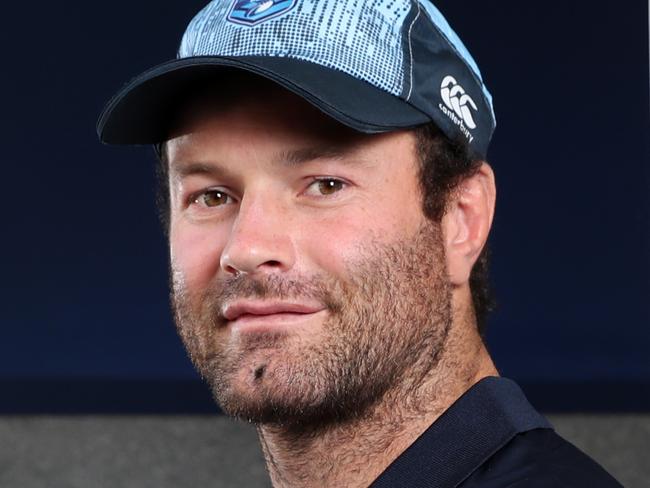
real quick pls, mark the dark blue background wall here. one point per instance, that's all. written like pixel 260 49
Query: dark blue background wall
pixel 85 322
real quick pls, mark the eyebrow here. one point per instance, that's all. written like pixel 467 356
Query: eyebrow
pixel 292 159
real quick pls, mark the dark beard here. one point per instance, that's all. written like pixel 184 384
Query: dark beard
pixel 386 329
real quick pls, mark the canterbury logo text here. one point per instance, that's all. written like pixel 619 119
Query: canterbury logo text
pixel 460 103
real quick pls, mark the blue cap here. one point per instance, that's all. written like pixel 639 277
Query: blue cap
pixel 373 65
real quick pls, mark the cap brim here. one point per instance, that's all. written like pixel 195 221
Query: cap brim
pixel 141 113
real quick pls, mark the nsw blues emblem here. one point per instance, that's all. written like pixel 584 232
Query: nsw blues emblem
pixel 253 12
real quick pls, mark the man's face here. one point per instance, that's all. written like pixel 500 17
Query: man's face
pixel 307 284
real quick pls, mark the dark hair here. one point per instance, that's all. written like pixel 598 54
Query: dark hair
pixel 444 164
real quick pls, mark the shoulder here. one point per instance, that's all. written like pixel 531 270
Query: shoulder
pixel 540 458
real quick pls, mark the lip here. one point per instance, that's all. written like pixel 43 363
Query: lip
pixel 266 310
pixel 276 318
pixel 275 321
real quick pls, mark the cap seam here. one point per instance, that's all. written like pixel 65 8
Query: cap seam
pixel 408 97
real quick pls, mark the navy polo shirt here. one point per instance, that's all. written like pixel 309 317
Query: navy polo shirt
pixel 492 437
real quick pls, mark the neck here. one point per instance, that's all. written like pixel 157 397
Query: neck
pixel 355 453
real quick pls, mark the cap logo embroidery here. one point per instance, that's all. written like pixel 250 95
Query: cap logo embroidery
pixel 456 99
pixel 458 104
pixel 253 12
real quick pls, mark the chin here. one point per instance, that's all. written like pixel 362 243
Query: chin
pixel 267 388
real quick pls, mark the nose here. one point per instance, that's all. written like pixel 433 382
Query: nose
pixel 260 240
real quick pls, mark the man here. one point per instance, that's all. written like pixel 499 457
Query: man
pixel 328 207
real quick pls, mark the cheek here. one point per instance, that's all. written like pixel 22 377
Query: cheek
pixel 335 243
pixel 328 246
pixel 195 253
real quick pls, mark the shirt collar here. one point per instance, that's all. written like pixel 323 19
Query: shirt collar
pixel 470 431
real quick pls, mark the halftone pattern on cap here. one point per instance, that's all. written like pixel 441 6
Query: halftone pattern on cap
pixel 361 38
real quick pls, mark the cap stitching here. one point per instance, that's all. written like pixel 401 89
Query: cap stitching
pixel 411 53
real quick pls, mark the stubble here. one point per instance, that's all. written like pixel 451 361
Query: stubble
pixel 387 324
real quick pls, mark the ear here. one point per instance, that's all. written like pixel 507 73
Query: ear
pixel 467 223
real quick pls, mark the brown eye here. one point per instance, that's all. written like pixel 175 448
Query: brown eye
pixel 329 186
pixel 212 198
